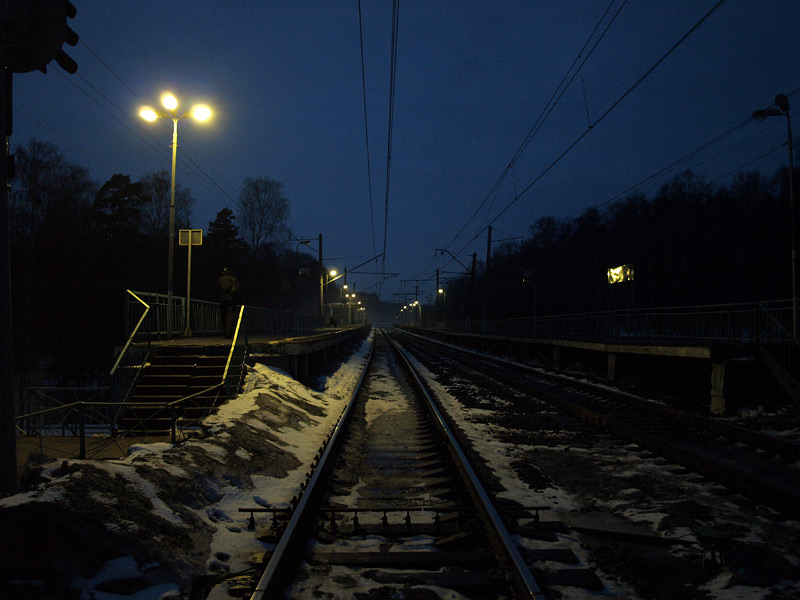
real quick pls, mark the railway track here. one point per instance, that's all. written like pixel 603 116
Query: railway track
pixel 393 506
pixel 761 466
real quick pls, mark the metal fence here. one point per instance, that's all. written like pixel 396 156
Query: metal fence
pixel 725 322
pixel 265 320
pixel 204 317
pixel 48 411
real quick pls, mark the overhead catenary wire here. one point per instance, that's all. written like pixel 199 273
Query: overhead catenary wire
pixel 366 126
pixel 392 81
pixel 555 98
pixel 557 95
pixel 608 111
pixel 705 146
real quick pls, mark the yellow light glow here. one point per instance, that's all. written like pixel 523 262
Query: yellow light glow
pixel 201 112
pixel 148 114
pixel 620 274
pixel 169 101
pixel 333 272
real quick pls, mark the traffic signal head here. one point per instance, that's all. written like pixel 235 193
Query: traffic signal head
pixel 37 31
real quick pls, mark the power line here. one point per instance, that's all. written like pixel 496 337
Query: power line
pixel 183 143
pixel 102 62
pixel 392 80
pixel 556 96
pixel 548 108
pixel 366 127
pixel 606 113
pixel 705 146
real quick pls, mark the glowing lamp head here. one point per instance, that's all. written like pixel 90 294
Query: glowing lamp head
pixel 201 112
pixel 169 101
pixel 148 114
pixel 333 273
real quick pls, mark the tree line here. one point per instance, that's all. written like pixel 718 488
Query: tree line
pixel 76 246
pixel 692 243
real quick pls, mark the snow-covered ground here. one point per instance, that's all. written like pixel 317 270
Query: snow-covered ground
pixel 170 514
pixel 147 526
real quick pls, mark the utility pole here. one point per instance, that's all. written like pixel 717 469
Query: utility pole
pixel 436 291
pixel 486 278
pixel 32 34
pixel 321 281
pixel 8 438
pixel 472 284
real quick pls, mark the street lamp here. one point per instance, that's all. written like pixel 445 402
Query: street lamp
pixel 200 112
pixel 333 275
pixel 321 272
pixel 783 109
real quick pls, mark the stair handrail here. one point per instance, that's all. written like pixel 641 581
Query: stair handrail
pixel 125 356
pixel 239 334
pixel 782 338
pixel 239 330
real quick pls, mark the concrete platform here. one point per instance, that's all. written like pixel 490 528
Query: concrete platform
pixel 295 352
pixel 705 366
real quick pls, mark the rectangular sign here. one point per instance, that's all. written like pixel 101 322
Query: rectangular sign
pixel 193 236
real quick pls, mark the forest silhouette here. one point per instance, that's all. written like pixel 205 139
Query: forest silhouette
pixel 76 246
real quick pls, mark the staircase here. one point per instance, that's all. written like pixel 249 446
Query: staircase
pixel 780 352
pixel 174 373
pixel 783 361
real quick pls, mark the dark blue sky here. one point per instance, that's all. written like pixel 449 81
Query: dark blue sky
pixel 472 78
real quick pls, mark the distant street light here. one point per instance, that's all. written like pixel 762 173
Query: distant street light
pixel 333 275
pixel 783 109
pixel 200 112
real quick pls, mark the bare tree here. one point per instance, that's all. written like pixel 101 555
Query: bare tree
pixel 47 190
pixel 155 214
pixel 263 211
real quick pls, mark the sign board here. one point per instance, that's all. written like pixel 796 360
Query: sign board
pixel 190 237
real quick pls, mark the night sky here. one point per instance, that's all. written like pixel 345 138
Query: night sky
pixel 472 79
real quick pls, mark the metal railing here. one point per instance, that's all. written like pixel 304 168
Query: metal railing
pixel 725 322
pixel 203 315
pixel 46 410
pixel 234 367
pixel 133 355
pixel 96 411
pixel 266 320
pixel 779 348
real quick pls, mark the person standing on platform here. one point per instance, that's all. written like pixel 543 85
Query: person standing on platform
pixel 229 294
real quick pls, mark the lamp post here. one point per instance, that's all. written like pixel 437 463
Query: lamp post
pixel 307 242
pixel 783 110
pixel 331 277
pixel 200 112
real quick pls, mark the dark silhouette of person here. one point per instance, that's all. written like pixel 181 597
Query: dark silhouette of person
pixel 229 294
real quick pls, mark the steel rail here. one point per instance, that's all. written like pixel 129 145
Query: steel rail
pixel 271 579
pixel 779 494
pixel 769 442
pixel 522 579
